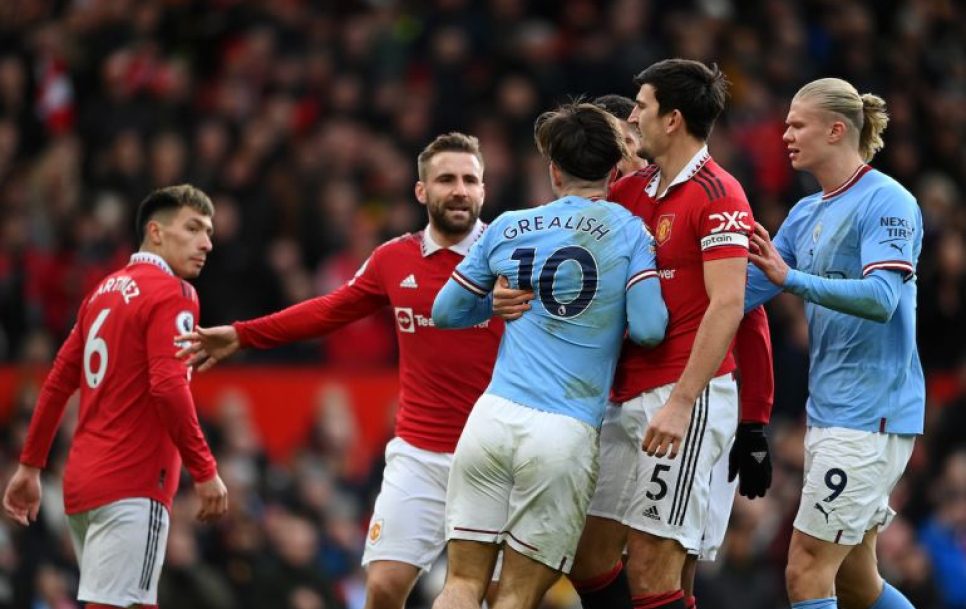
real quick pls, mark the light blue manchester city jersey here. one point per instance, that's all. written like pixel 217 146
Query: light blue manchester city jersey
pixel 863 374
pixel 578 256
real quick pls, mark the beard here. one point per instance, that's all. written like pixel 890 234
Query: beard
pixel 448 225
pixel 641 153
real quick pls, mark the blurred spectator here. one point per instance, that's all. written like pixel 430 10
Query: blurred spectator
pixel 944 534
pixel 303 118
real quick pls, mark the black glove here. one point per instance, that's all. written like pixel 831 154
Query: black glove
pixel 750 460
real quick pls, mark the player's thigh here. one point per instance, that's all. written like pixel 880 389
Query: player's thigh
pixel 849 477
pixel 123 550
pixel 525 581
pixel 672 498
pixel 621 434
pixel 554 471
pixel 478 492
pixel 721 500
pixel 408 516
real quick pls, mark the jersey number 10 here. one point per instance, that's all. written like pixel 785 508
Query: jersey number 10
pixel 548 275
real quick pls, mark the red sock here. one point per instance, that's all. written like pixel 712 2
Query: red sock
pixel 664 600
pixel 690 602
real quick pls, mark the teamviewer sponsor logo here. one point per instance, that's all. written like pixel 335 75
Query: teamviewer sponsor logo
pixel 405 320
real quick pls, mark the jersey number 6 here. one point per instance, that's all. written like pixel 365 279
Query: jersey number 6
pixel 95 344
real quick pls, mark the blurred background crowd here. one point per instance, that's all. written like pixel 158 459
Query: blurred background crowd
pixel 303 119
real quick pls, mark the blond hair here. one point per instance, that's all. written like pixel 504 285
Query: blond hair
pixel 866 113
pixel 449 142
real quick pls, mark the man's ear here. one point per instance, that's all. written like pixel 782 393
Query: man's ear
pixel 675 121
pixel 420 191
pixel 837 131
pixel 152 232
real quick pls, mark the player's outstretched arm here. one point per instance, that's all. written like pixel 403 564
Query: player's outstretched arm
pixel 21 500
pixel 214 499
pixel 874 297
pixel 456 307
pixel 208 346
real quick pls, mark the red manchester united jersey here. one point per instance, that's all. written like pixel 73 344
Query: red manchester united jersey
pixel 441 372
pixel 702 216
pixel 136 412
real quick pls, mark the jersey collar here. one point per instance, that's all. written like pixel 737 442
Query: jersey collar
pixel 462 248
pixel 694 166
pixel 863 169
pixel 149 258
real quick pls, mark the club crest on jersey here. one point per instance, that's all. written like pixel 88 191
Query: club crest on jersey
pixel 816 232
pixel 375 531
pixel 663 231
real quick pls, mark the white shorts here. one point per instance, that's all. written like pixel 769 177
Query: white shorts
pixel 665 497
pixel 524 477
pixel 407 522
pixel 722 499
pixel 849 475
pixel 120 547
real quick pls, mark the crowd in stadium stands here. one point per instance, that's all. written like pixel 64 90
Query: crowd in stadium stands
pixel 303 120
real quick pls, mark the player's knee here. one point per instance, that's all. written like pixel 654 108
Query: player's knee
pixel 854 593
pixel 592 558
pixel 799 579
pixel 653 572
pixel 386 590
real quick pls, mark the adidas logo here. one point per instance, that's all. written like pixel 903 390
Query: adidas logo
pixel 759 456
pixel 652 513
pixel 409 282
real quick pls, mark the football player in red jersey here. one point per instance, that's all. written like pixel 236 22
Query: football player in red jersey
pixel 441 372
pixel 137 419
pixel 621 107
pixel 683 391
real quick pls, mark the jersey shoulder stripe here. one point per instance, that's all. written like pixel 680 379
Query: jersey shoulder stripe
pixel 706 187
pixel 188 290
pixel 714 182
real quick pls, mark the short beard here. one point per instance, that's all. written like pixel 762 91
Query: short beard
pixel 444 225
pixel 641 154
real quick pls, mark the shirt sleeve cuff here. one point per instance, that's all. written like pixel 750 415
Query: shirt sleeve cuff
pixel 793 281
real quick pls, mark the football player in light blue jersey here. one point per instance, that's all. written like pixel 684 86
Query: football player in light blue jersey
pixel 850 252
pixel 525 467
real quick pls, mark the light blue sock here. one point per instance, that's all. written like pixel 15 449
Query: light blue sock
pixel 818 603
pixel 891 599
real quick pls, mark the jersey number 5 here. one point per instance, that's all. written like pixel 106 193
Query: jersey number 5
pixel 548 275
pixel 95 344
